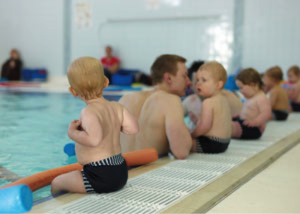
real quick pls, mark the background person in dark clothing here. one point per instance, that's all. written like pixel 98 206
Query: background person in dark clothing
pixel 11 69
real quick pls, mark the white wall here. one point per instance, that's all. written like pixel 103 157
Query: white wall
pixel 196 29
pixel 35 28
pixel 271 34
pixel 140 31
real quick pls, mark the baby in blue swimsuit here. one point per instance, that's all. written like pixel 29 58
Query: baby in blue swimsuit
pixel 96 133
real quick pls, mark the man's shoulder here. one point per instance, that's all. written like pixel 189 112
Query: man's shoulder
pixel 165 97
pixel 135 95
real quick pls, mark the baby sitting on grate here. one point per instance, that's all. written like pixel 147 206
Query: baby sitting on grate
pixel 212 134
pixel 96 133
pixel 256 110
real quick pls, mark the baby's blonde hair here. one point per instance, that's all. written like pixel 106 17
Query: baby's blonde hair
pixel 216 69
pixel 86 77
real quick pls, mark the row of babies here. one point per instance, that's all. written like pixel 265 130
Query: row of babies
pixel 248 119
pixel 155 119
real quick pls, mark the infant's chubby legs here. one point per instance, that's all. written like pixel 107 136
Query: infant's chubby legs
pixel 70 182
pixel 236 130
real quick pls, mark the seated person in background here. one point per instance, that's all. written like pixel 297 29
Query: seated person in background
pixel 192 105
pixel 278 96
pixel 96 133
pixel 11 69
pixel 294 91
pixel 160 112
pixel 110 63
pixel 213 132
pixel 256 110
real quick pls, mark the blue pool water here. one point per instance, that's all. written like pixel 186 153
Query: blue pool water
pixel 33 132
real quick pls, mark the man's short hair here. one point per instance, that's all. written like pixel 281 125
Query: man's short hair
pixel 166 63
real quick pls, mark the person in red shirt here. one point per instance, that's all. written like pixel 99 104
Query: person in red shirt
pixel 110 63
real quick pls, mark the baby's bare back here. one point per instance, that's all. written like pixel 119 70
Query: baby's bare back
pixel 282 100
pixel 109 115
pixel 221 121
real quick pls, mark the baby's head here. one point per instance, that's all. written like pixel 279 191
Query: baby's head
pixel 294 74
pixel 273 76
pixel 211 78
pixel 86 78
pixel 249 81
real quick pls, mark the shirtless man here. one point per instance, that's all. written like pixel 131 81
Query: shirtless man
pixel 160 112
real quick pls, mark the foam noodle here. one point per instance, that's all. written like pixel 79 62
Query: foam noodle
pixel 16 199
pixel 41 179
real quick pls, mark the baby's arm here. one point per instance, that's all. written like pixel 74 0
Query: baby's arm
pixel 88 131
pixel 265 113
pixel 293 93
pixel 129 124
pixel 206 119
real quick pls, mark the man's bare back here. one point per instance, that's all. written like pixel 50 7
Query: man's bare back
pixel 133 103
pixel 161 121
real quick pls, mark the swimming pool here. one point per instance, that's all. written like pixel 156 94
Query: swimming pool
pixel 33 132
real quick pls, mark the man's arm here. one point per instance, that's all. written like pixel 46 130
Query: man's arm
pixel 129 124
pixel 88 132
pixel 178 135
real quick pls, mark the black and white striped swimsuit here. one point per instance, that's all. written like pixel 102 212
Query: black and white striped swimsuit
pixel 105 175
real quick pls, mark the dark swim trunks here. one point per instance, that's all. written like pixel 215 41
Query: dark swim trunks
pixel 205 144
pixel 280 115
pixel 106 175
pixel 248 133
pixel 295 106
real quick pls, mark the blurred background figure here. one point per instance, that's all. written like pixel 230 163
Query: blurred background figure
pixel 11 69
pixel 110 63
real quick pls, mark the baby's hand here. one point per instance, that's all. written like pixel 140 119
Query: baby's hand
pixel 193 118
pixel 75 125
pixel 249 123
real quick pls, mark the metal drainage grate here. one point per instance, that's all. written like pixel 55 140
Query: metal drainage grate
pixel 156 190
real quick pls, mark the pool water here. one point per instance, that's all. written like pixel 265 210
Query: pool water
pixel 33 132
